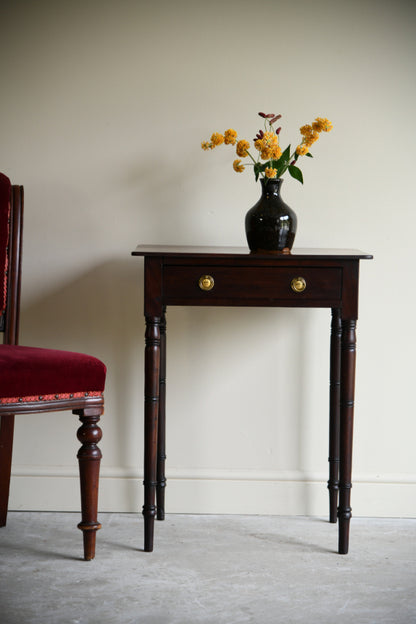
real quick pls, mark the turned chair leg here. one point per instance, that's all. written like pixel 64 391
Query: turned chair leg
pixel 6 448
pixel 89 456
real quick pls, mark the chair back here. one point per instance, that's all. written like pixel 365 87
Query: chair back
pixel 11 225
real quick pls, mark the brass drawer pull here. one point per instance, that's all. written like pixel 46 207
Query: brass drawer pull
pixel 298 284
pixel 206 282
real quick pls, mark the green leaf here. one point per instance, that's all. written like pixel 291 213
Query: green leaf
pixel 296 173
pixel 282 164
pixel 286 154
pixel 309 154
pixel 257 170
pixel 280 171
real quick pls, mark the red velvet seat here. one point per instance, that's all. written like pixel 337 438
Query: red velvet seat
pixel 34 380
pixel 30 373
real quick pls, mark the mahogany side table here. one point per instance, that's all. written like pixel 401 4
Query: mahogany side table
pixel 216 276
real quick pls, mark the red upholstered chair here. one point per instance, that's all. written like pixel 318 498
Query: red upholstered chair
pixel 35 380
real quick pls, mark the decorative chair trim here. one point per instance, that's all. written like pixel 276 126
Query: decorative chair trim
pixel 6 266
pixel 49 397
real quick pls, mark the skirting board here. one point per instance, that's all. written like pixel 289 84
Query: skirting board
pixel 214 492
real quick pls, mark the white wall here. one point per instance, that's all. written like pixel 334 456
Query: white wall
pixel 103 108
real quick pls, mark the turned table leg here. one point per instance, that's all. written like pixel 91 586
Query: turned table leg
pixel 348 352
pixel 334 410
pixel 161 438
pixel 151 409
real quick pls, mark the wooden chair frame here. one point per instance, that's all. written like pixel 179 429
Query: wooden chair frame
pixel 88 408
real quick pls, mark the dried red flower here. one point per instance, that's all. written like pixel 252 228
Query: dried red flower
pixel 267 115
pixel 259 135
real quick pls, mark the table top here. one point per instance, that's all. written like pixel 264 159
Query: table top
pixel 244 252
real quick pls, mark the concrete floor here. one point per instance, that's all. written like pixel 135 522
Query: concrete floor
pixel 207 569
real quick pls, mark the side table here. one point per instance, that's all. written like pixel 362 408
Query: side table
pixel 214 276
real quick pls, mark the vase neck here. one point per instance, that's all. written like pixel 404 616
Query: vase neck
pixel 271 186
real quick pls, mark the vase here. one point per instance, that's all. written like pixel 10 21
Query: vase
pixel 270 224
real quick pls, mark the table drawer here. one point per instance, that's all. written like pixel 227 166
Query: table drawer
pixel 252 283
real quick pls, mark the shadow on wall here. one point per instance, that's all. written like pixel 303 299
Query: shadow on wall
pixel 99 313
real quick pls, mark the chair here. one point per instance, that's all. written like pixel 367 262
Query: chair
pixel 36 380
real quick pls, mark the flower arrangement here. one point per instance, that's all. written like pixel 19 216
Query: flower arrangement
pixel 266 142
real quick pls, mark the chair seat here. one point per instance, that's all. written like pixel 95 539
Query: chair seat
pixel 31 373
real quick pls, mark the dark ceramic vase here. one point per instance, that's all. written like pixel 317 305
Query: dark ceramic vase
pixel 270 224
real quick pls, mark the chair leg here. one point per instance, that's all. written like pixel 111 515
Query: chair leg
pixel 6 448
pixel 89 456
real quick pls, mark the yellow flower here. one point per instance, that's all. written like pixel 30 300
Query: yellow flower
pixel 311 138
pixel 276 152
pixel 270 139
pixel 270 173
pixel 266 153
pixel 316 125
pixel 242 147
pixel 321 124
pixel 206 145
pixel 268 146
pixel 302 149
pixel 237 166
pixel 230 137
pixel 306 130
pixel 262 148
pixel 217 139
